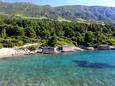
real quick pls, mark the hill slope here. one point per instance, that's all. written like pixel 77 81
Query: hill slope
pixel 97 13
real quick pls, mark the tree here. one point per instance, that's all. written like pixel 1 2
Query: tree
pixel 52 41
pixel 88 38
pixel 29 32
pixel 2 32
pixel 20 31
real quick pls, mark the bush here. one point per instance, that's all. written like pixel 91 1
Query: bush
pixel 111 41
pixel 1 46
pixel 20 43
pixel 29 40
pixel 8 44
pixel 65 42
pixel 11 42
pixel 32 48
pixel 1 39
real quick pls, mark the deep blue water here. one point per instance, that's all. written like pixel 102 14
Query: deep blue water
pixel 89 68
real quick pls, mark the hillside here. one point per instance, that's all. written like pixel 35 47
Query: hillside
pixel 17 31
pixel 94 13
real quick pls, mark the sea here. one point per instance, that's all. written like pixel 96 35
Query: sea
pixel 87 68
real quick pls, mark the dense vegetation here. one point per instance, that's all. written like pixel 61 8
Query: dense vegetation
pixel 98 13
pixel 15 31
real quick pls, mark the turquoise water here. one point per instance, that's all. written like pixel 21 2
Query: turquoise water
pixel 90 68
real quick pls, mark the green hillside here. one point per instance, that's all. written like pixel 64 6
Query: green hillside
pixel 71 13
pixel 17 31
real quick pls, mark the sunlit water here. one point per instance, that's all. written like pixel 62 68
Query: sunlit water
pixel 90 68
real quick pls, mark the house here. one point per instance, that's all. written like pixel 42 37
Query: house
pixel 112 47
pixel 90 48
pixel 103 47
pixel 48 50
pixel 82 47
pixel 67 48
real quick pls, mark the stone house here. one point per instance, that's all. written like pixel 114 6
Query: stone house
pixel 48 50
pixel 103 47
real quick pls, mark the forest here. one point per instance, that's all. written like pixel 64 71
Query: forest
pixel 16 31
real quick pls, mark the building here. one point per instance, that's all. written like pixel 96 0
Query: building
pixel 90 48
pixel 103 47
pixel 67 48
pixel 112 47
pixel 82 47
pixel 48 50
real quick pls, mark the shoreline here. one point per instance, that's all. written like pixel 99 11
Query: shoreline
pixel 12 52
pixel 17 52
pixel 3 56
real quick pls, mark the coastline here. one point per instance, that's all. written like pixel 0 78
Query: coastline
pixel 12 52
pixel 16 52
pixel 21 51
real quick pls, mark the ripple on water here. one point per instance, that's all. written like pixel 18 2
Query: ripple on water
pixel 67 69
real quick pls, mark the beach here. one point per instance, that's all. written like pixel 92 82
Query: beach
pixel 23 50
pixel 10 52
pixel 13 52
pixel 17 51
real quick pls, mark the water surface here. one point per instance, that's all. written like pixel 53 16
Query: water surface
pixel 90 68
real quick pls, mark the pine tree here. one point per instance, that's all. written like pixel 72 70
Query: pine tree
pixel 52 41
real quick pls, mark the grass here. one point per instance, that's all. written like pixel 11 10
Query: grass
pixel 1 46
pixel 64 42
pixel 3 14
pixel 63 19
pixel 112 41
pixel 23 16
pixel 80 20
pixel 28 17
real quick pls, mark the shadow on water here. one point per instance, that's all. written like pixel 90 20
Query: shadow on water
pixel 87 64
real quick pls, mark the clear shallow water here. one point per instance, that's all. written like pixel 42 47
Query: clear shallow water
pixel 91 68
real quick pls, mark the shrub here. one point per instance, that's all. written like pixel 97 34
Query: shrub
pixel 32 48
pixel 8 44
pixel 1 46
pixel 1 39
pixel 20 43
pixel 65 42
